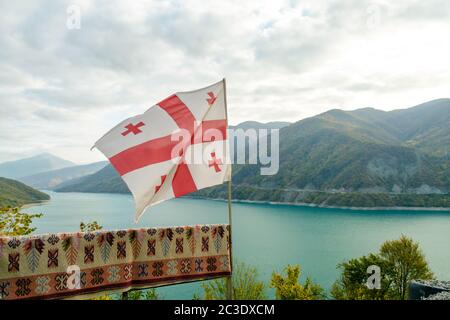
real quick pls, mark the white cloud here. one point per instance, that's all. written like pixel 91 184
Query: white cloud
pixel 61 89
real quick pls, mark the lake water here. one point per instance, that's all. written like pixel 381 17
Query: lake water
pixel 266 236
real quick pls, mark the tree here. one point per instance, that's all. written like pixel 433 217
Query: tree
pixel 406 262
pixel 90 226
pixel 15 223
pixel 352 284
pixel 246 285
pixel 289 287
pixel 400 262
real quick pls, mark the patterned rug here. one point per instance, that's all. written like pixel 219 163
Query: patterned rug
pixel 77 265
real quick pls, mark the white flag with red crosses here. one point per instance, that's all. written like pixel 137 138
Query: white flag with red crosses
pixel 176 147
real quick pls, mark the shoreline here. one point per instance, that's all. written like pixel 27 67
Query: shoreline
pixel 35 204
pixel 312 205
pixel 295 204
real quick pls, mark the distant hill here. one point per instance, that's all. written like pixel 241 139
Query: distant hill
pixel 14 193
pixel 30 166
pixel 345 154
pixel 51 179
pixel 104 181
pixel 364 150
pixel 259 125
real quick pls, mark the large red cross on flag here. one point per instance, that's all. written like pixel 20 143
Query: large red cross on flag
pixel 176 147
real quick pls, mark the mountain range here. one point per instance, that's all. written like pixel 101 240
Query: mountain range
pixel 33 165
pixel 360 158
pixel 54 178
pixel 258 125
pixel 364 157
pixel 366 150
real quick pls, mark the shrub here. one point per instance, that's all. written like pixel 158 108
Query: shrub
pixel 289 288
pixel 245 283
pixel 15 223
pixel 400 261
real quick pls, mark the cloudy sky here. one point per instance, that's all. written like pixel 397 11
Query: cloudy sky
pixel 62 87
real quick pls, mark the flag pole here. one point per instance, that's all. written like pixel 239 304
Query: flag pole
pixel 229 278
pixel 229 282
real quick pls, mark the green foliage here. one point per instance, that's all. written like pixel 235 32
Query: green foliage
pixel 15 223
pixel 103 297
pixel 344 199
pixel 400 262
pixel 289 287
pixel 353 280
pixel 406 262
pixel 246 285
pixel 149 294
pixel 15 194
pixel 90 226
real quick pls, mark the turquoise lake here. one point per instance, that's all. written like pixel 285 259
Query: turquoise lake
pixel 265 236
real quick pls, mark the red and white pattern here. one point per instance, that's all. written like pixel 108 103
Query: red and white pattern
pixel 176 147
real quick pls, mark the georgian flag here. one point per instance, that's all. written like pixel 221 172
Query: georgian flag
pixel 176 147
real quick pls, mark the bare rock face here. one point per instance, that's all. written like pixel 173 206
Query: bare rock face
pixel 429 290
pixel 426 189
pixel 392 166
pixel 439 296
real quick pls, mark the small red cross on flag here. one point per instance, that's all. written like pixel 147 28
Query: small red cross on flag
pixel 131 128
pixel 155 166
pixel 212 98
pixel 214 162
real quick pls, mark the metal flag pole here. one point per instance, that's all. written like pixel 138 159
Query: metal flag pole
pixel 229 281
pixel 229 278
